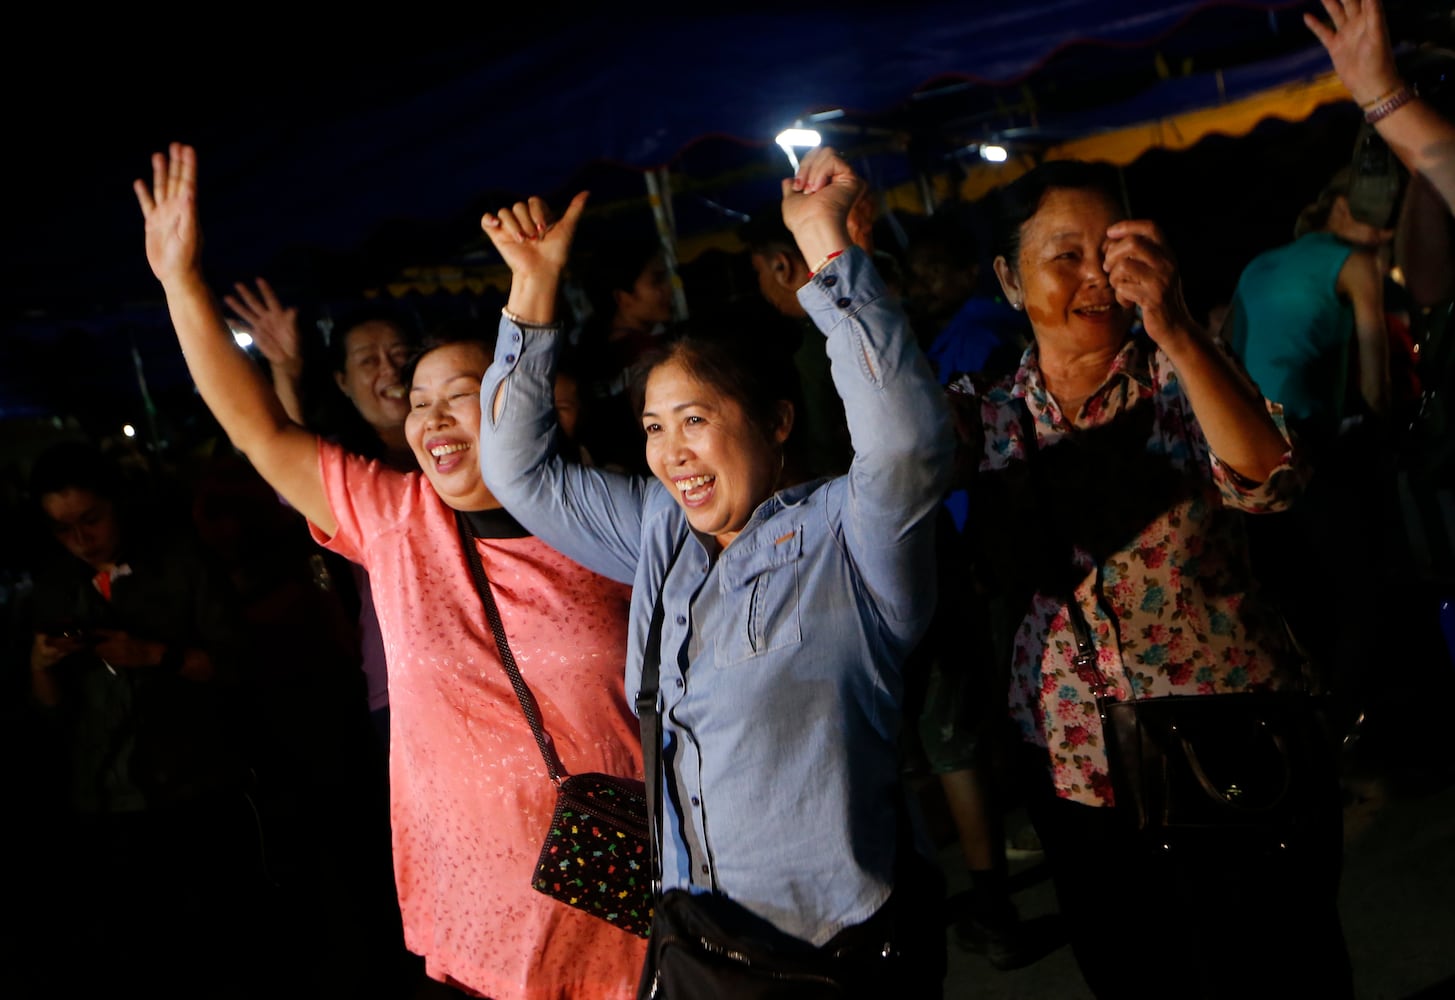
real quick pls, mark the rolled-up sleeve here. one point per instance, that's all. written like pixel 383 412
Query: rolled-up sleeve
pixel 1274 494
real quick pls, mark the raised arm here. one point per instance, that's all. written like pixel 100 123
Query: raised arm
pixel 535 247
pixel 1361 281
pixel 899 421
pixel 231 385
pixel 591 515
pixel 1357 40
pixel 274 329
pixel 1424 244
pixel 817 202
pixel 1231 412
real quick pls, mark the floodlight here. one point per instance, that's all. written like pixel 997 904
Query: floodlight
pixel 243 338
pixel 993 153
pixel 797 138
pixel 804 138
pixel 128 430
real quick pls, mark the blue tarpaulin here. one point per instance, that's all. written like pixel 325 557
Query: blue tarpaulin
pixel 339 163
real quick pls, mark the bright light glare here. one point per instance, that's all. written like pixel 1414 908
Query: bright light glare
pixel 803 138
pixel 797 138
pixel 244 340
pixel 128 430
pixel 995 154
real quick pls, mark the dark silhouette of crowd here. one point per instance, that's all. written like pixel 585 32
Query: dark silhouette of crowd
pixel 231 766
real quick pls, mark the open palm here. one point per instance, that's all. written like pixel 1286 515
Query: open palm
pixel 169 205
pixel 1357 40
pixel 273 325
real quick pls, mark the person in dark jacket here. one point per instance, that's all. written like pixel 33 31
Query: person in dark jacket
pixel 135 650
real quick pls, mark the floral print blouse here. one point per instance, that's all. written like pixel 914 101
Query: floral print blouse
pixel 1144 530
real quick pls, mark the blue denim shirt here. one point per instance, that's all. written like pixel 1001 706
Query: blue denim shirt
pixel 781 684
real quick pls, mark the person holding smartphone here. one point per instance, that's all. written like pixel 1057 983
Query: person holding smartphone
pixel 136 652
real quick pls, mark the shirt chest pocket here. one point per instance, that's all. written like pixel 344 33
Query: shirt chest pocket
pixel 761 598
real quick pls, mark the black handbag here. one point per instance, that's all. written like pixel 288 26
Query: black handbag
pixel 1260 765
pixel 596 849
pixel 706 947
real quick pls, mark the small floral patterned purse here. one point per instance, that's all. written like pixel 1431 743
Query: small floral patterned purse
pixel 596 855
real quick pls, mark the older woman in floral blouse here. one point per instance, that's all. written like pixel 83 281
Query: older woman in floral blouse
pixel 1109 476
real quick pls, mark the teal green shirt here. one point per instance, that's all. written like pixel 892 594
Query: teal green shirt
pixel 1292 331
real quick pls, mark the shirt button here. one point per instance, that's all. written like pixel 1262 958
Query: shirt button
pixel 679 682
pixel 830 280
pixel 515 335
pixel 704 869
pixel 510 359
pixel 843 303
pixel 696 801
pixel 681 619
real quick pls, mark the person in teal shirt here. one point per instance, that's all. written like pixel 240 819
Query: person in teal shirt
pixel 1302 315
pixel 1299 308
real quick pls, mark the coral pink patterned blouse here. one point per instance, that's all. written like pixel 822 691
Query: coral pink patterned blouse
pixel 1151 521
pixel 470 796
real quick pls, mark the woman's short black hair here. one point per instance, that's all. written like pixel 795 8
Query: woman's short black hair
pixel 75 465
pixel 456 330
pixel 1018 201
pixel 740 366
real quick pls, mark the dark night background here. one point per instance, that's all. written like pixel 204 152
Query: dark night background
pixel 336 157
pixel 350 153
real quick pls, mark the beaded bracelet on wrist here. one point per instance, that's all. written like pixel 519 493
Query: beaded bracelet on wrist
pixel 1382 97
pixel 1386 106
pixel 823 263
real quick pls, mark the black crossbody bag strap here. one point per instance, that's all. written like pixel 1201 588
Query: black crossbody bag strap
pixel 651 722
pixel 1085 658
pixel 507 659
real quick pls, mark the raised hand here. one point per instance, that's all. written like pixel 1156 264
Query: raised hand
pixel 531 240
pixel 817 202
pixel 535 246
pixel 173 235
pixel 48 650
pixel 1142 272
pixel 1357 41
pixel 274 326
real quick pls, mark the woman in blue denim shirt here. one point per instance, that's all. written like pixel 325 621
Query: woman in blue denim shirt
pixel 789 610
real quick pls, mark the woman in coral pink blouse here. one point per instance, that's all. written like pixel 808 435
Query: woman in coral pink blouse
pixel 470 797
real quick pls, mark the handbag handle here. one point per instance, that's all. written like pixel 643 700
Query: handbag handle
pixel 1221 795
pixel 554 768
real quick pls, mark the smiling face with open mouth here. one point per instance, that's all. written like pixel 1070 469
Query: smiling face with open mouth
pixel 374 353
pixel 1058 274
pixel 701 445
pixel 443 426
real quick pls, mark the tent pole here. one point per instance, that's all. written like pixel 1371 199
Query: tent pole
pixel 659 194
pixel 146 397
pixel 926 191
